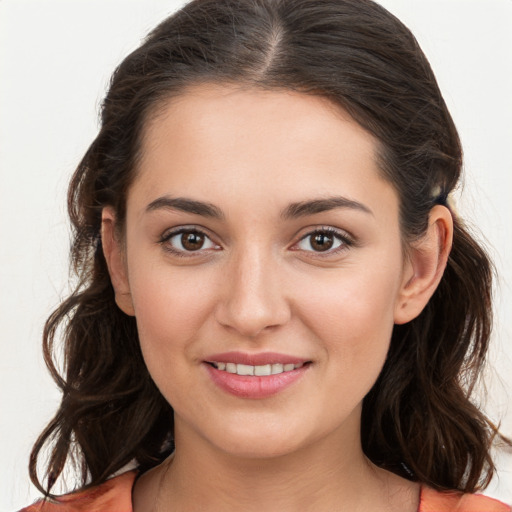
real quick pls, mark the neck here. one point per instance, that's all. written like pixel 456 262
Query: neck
pixel 279 483
pixel 316 477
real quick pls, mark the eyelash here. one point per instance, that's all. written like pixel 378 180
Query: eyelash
pixel 346 241
pixel 167 236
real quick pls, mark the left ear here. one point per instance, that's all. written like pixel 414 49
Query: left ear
pixel 427 258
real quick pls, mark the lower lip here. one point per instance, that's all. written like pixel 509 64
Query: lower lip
pixel 252 386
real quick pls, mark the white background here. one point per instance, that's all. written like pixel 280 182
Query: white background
pixel 55 60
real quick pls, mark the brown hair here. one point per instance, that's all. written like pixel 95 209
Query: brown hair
pixel 418 419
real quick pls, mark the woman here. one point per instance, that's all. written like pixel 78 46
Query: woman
pixel 274 290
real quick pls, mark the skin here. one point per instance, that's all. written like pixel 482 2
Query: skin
pixel 259 285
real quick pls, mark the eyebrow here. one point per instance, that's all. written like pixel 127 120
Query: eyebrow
pixel 186 205
pixel 311 207
pixel 292 211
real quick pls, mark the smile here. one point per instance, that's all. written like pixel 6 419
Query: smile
pixel 259 371
pixel 255 376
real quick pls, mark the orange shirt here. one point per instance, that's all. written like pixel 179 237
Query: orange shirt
pixel 115 495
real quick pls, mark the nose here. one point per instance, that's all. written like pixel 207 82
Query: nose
pixel 253 299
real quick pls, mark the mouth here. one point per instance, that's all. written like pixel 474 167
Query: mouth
pixel 255 376
pixel 256 370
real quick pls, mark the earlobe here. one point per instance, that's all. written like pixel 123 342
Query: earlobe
pixel 425 266
pixel 114 256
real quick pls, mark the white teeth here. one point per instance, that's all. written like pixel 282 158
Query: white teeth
pixel 265 369
pixel 244 369
pixel 260 370
pixel 277 368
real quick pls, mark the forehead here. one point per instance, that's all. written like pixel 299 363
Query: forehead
pixel 216 112
pixel 249 141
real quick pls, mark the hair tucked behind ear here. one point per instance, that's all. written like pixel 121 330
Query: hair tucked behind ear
pixel 418 420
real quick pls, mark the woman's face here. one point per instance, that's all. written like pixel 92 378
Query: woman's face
pixel 260 238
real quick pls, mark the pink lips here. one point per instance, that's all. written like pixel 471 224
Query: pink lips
pixel 254 387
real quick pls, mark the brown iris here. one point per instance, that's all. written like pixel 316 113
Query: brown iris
pixel 192 240
pixel 321 241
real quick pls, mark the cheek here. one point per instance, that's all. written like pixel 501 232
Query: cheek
pixel 351 315
pixel 171 311
pixel 170 305
pixel 351 301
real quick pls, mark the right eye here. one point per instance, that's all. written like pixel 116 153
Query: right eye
pixel 187 240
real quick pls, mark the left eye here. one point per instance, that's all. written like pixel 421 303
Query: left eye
pixel 189 241
pixel 321 241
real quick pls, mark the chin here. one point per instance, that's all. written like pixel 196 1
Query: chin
pixel 263 439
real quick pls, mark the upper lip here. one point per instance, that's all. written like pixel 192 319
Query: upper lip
pixel 255 359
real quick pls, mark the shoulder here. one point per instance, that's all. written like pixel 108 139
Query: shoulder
pixel 435 501
pixel 114 495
